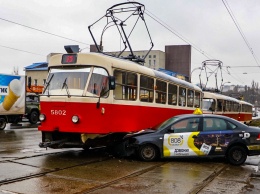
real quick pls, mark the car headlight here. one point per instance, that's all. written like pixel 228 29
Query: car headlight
pixel 42 117
pixel 75 119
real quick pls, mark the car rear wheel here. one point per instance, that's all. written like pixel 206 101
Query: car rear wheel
pixel 148 152
pixel 2 123
pixel 237 155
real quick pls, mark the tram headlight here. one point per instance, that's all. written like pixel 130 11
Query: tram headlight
pixel 42 117
pixel 75 119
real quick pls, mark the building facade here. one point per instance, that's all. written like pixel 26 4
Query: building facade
pixel 178 59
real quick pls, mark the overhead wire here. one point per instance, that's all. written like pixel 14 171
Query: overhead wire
pixel 158 20
pixel 21 50
pixel 43 31
pixel 240 30
pixel 197 48
pixel 165 25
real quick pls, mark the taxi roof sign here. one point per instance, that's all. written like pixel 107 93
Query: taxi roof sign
pixel 198 111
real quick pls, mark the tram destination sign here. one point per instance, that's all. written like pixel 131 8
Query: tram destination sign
pixel 69 58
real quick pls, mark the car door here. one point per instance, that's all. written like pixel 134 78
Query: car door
pixel 214 137
pixel 179 141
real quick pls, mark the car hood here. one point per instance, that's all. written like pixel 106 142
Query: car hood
pixel 142 132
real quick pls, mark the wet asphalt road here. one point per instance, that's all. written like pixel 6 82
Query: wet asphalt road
pixel 26 168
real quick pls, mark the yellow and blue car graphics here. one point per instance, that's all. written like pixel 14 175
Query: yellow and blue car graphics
pixel 197 135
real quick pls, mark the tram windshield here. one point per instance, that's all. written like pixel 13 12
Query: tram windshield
pixel 73 81
pixel 208 104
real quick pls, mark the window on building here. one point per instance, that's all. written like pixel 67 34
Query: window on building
pixel 35 82
pixel 154 56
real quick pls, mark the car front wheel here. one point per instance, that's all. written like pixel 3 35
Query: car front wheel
pixel 148 152
pixel 237 155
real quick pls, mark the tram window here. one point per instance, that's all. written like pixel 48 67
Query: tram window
pixel 172 94
pixel 190 98
pixel 126 85
pixel 208 104
pixel 146 89
pixel 69 78
pixel 239 108
pixel 182 96
pixel 98 83
pixel 224 106
pixel 160 92
pixel 219 102
pixel 227 106
pixel 232 108
pixel 197 99
pixel 243 108
pixel 236 107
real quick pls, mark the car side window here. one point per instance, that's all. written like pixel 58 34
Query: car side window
pixel 186 125
pixel 213 124
pixel 232 125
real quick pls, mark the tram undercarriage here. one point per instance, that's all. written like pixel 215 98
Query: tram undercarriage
pixel 76 140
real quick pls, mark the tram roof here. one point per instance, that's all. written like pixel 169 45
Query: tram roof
pixel 98 58
pixel 224 97
pixel 244 102
pixel 219 96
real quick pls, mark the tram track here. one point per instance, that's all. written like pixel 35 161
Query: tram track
pixel 8 181
pixel 208 180
pixel 123 178
pixel 200 186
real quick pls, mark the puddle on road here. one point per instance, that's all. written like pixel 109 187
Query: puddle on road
pixel 35 150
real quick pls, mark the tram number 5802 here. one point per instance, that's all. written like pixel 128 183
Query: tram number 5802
pixel 58 112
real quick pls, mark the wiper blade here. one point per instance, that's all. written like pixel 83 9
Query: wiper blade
pixel 48 83
pixel 64 85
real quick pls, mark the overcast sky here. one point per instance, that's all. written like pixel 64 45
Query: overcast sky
pixel 31 29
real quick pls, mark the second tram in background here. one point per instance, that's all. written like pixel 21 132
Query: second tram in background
pixel 215 103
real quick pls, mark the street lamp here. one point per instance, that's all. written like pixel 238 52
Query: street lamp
pixel 194 70
pixel 223 85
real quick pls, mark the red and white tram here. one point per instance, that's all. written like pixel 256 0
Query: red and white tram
pixel 92 95
pixel 215 103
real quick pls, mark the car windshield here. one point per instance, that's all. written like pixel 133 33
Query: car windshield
pixel 165 123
